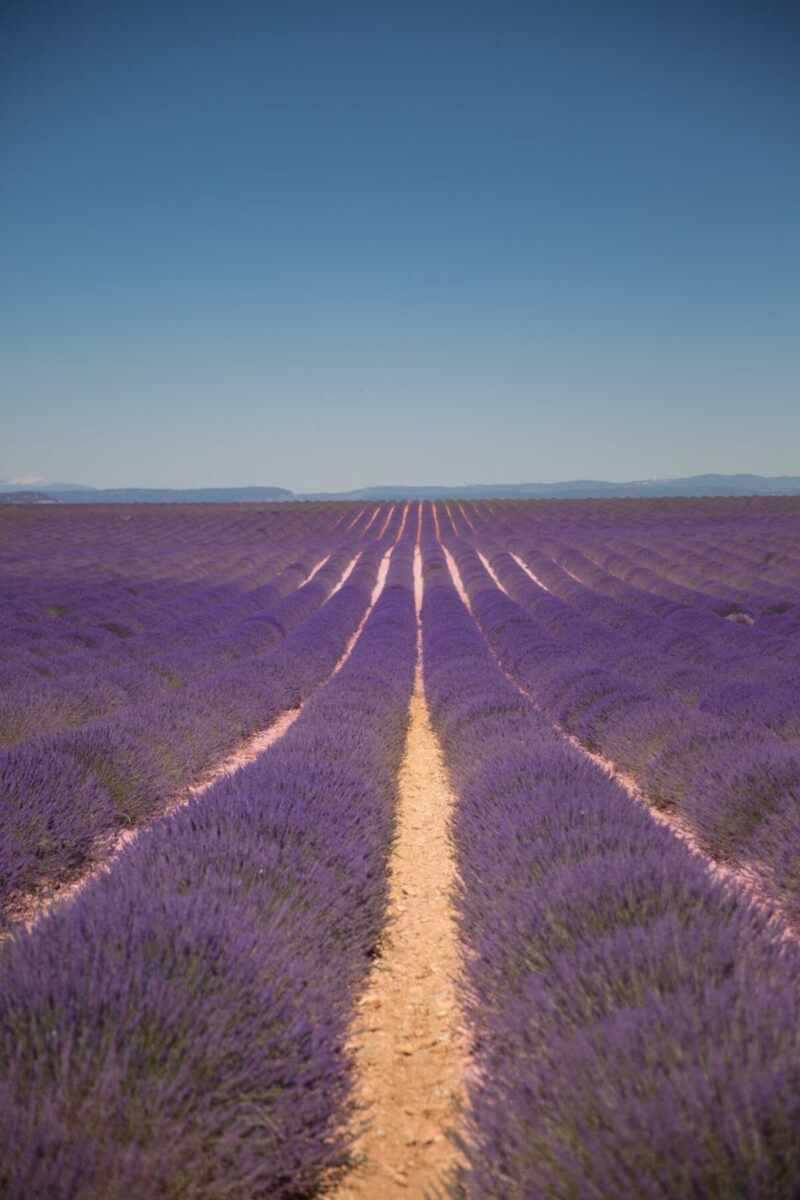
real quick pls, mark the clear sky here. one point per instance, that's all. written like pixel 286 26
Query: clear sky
pixel 247 245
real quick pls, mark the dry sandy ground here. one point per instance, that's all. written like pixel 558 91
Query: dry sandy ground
pixel 352 522
pixel 314 570
pixel 408 1040
pixel 466 517
pixel 530 573
pixel 409 1047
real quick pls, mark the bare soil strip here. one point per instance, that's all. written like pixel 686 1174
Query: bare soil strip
pixel 385 524
pixel 450 516
pixel 408 1040
pixel 467 518
pixel 490 571
pixel 403 521
pixel 369 522
pixel 348 571
pixel 455 575
pixel 738 877
pixel 572 575
pixel 529 573
pixel 350 524
pixel 314 570
pixel 380 582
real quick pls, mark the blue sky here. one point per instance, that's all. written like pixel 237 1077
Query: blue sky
pixel 539 245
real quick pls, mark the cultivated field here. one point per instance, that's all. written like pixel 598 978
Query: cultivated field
pixel 400 850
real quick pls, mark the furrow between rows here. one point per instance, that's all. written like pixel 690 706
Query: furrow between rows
pixel 408 1039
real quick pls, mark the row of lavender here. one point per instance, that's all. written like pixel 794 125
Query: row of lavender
pixel 720 752
pixel 635 1021
pixel 87 628
pixel 180 1028
pixel 683 653
pixel 710 559
pixel 721 558
pixel 63 797
pixel 620 569
pixel 720 561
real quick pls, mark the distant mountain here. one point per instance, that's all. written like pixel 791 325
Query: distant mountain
pixel 693 485
pixel 234 495
pixel 14 485
pixel 26 498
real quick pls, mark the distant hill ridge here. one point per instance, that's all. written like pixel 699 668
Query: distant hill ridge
pixel 74 493
pixel 692 485
pixel 23 497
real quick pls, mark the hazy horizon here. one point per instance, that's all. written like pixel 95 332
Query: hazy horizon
pixel 539 247
pixel 38 484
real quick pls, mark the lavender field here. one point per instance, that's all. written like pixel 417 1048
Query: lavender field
pixel 208 725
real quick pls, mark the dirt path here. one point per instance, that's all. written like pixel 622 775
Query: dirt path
pixel 370 521
pixel 357 517
pixel 409 1046
pixel 385 524
pixel 316 568
pixel 521 563
pixel 467 518
pixel 346 573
